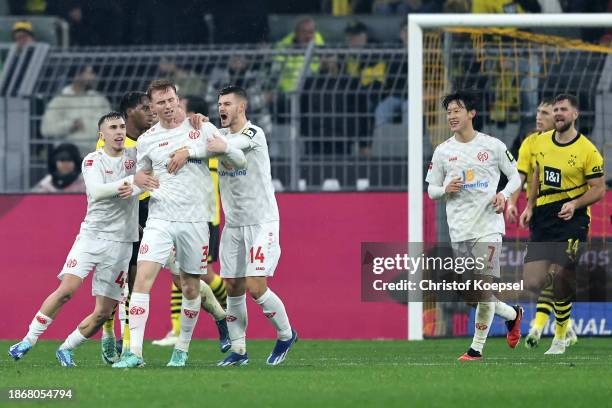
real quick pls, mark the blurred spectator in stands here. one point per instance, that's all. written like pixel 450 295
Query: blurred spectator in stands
pixel 406 6
pixel 368 71
pixel 239 21
pixel 22 34
pixel 244 73
pixel 186 80
pixel 290 66
pixel 64 176
pixel 506 6
pixel 72 116
pixel 588 6
pixel 89 21
pixel 394 107
pixel 22 7
pixel 456 6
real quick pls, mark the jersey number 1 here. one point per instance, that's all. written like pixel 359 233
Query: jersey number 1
pixel 259 256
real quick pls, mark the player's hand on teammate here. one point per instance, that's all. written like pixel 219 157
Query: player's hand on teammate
pixel 454 186
pixel 511 213
pixel 126 190
pixel 178 160
pixel 567 211
pixel 499 203
pixel 145 180
pixel 197 120
pixel 217 144
pixel 525 217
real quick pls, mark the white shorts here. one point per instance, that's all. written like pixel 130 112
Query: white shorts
pixel 252 250
pixel 189 238
pixel 487 248
pixel 109 258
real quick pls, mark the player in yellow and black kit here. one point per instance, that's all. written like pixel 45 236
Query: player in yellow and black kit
pixel 568 178
pixel 191 105
pixel 525 164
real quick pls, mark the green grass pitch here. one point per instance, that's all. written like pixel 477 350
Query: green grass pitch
pixel 327 374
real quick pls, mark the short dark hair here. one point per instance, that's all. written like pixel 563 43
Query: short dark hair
pixel 234 89
pixel 196 104
pixel 160 85
pixel 547 101
pixel 355 27
pixel 130 100
pixel 108 116
pixel 569 97
pixel 464 97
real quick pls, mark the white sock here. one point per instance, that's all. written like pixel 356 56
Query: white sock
pixel 504 310
pixel 139 312
pixel 190 310
pixel 274 310
pixel 73 340
pixel 485 312
pixel 237 320
pixel 210 302
pixel 39 324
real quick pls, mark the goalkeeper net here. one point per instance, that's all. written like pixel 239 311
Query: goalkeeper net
pixel 513 69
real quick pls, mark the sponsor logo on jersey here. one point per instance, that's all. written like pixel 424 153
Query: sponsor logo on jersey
pixel 481 326
pixel 144 248
pixel 597 169
pixel 230 318
pixel 469 181
pixel 270 315
pixel 71 263
pixel 162 144
pixel 129 164
pixel 41 320
pixel 88 163
pixel 136 310
pixel 233 173
pixel 194 134
pixel 190 313
pixel 482 156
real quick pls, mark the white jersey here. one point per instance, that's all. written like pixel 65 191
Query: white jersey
pixel 185 196
pixel 112 219
pixel 479 163
pixel 247 195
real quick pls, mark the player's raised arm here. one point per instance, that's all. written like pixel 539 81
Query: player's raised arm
pixel 93 174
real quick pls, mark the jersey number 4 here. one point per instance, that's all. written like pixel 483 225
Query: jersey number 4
pixel 256 255
pixel 120 280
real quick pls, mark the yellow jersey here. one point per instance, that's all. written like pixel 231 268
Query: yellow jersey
pixel 496 6
pixel 565 168
pixel 526 161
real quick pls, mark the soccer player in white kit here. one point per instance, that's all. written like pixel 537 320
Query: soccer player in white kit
pixel 250 247
pixel 104 241
pixel 179 212
pixel 465 171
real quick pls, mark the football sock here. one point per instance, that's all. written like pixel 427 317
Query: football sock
pixel 139 312
pixel 485 312
pixel 562 317
pixel 176 300
pixel 274 310
pixel 504 310
pixel 210 302
pixel 237 321
pixel 108 328
pixel 218 287
pixel 190 310
pixel 39 324
pixel 544 308
pixel 73 340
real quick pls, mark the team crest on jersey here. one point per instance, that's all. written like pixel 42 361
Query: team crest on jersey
pixel 250 132
pixel 144 248
pixel 482 156
pixel 572 160
pixel 194 134
pixel 129 164
pixel 190 313
pixel 71 263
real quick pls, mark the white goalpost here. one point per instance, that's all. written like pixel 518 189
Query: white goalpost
pixel 416 24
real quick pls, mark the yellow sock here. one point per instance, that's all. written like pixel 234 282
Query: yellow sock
pixel 175 309
pixel 108 328
pixel 562 315
pixel 218 287
pixel 543 309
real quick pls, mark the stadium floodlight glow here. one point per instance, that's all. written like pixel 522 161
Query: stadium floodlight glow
pixel 416 23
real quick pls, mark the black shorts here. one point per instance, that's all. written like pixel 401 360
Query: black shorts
pixel 143 214
pixel 554 239
pixel 213 243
